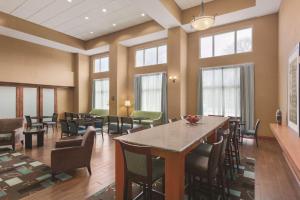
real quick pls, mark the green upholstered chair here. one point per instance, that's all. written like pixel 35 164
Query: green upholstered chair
pixel 74 129
pixel 99 112
pixel 154 118
pixel 8 128
pixel 141 168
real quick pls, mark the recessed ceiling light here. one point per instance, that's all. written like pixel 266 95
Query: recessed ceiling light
pixel 104 10
pixel 86 18
pixel 91 32
pixel 114 24
pixel 70 1
pixel 143 15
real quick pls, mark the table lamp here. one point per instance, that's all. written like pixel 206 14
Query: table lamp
pixel 127 105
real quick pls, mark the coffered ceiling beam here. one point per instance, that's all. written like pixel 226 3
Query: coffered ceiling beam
pixel 164 12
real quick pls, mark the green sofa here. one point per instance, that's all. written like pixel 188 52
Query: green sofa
pixel 154 118
pixel 99 112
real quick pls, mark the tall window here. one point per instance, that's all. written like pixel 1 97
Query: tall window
pixel 101 94
pixel 101 64
pixel 233 42
pixel 151 56
pixel 151 92
pixel 221 91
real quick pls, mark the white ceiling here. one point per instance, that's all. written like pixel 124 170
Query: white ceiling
pixel 185 4
pixel 69 18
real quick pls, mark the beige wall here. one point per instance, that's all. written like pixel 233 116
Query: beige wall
pixel 82 84
pixel 264 57
pixel 177 66
pixel 289 36
pixel 24 62
pixel 65 101
pixel 27 63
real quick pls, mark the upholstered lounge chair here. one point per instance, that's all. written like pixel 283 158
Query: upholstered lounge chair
pixel 72 154
pixel 8 130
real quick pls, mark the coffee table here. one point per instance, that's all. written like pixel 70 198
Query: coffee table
pixel 34 131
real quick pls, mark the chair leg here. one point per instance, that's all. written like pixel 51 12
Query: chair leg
pixel 163 184
pixel 89 170
pixel 210 185
pixel 102 133
pixel 189 187
pixel 256 138
pixel 125 189
pixel 150 191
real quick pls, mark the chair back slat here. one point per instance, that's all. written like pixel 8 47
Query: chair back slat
pixel 28 120
pixel 214 158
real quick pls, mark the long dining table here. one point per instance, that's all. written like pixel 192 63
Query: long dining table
pixel 172 142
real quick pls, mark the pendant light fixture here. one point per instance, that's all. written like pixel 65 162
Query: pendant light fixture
pixel 203 21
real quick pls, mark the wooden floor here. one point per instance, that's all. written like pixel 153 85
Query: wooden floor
pixel 274 181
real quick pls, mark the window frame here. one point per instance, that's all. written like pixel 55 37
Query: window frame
pixel 235 42
pixel 99 57
pixel 144 55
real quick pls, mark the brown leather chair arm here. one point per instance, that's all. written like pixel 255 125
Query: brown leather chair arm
pixel 68 143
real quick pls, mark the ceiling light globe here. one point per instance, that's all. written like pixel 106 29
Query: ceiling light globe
pixel 203 22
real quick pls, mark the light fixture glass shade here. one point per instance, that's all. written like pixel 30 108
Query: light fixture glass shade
pixel 127 103
pixel 203 22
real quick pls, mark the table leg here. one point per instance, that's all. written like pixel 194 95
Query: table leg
pixel 40 139
pixel 28 141
pixel 174 176
pixel 119 163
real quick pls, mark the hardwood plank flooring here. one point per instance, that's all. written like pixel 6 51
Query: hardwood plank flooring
pixel 274 180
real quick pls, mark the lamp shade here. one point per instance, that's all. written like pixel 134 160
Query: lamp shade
pixel 127 103
pixel 203 22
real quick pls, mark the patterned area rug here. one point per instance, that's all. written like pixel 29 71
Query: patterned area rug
pixel 242 187
pixel 21 176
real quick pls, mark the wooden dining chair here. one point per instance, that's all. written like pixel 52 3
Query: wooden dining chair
pixel 128 124
pixel 74 129
pixel 141 168
pixel 113 124
pixel 52 123
pixel 203 167
pixel 31 124
pixel 251 134
pixel 64 128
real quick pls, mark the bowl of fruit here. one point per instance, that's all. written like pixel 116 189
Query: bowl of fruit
pixel 192 119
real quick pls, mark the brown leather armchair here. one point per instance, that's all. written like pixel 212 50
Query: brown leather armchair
pixel 72 154
pixel 8 131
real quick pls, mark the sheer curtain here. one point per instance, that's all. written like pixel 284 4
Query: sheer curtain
pixel 101 94
pixel 221 91
pixel 8 102
pixel 228 91
pixel 151 92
